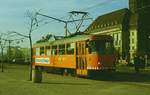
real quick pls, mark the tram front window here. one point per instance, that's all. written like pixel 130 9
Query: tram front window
pixel 101 47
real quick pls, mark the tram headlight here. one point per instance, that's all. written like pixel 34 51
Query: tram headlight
pixel 99 63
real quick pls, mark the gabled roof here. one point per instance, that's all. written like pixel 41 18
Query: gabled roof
pixel 110 19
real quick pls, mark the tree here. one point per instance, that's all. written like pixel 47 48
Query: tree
pixel 2 46
pixel 46 38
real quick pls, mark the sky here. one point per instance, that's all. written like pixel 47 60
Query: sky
pixel 13 14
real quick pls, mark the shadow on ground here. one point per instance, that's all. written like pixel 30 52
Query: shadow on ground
pixel 122 77
pixel 64 83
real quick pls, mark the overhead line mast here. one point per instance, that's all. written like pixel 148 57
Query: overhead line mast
pixel 83 15
pixel 69 21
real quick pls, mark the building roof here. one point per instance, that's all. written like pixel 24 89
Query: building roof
pixel 110 19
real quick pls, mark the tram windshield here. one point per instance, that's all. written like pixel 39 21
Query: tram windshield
pixel 101 47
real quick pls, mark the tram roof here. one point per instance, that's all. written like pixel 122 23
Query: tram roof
pixel 72 39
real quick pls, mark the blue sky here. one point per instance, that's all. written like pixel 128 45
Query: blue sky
pixel 13 13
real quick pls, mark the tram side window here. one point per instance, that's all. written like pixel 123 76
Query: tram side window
pixel 54 50
pixel 37 52
pixel 42 51
pixel 61 49
pixel 70 48
pixel 48 53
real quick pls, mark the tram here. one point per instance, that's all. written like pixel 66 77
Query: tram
pixel 79 54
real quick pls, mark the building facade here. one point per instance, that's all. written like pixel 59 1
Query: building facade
pixel 130 29
pixel 115 24
pixel 139 23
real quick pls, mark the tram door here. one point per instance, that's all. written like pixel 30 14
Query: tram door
pixel 81 63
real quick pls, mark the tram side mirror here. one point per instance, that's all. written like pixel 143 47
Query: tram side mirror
pixel 88 47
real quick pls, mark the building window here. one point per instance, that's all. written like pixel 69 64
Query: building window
pixel 119 42
pixel 132 33
pixel 119 36
pixel 119 49
pixel 133 48
pixel 116 42
pixel 115 37
pixel 132 41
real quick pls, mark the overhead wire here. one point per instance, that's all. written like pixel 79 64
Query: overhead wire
pixel 12 39
pixel 90 8
pixel 98 5
pixel 85 9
